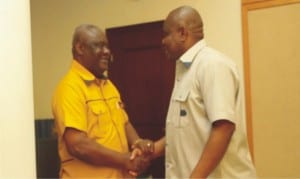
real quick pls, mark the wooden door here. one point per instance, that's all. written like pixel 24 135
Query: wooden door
pixel 272 70
pixel 144 77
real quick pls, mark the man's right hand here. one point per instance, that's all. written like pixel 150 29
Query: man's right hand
pixel 138 162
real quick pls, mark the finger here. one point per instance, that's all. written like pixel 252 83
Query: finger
pixel 132 156
pixel 132 173
pixel 150 146
pixel 135 153
pixel 133 146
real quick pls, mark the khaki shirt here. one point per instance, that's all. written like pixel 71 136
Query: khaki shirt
pixel 207 88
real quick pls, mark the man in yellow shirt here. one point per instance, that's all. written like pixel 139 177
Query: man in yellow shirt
pixel 93 128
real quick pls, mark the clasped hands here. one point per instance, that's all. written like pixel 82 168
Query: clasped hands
pixel 142 150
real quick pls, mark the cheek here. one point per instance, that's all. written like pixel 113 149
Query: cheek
pixel 167 42
pixel 97 52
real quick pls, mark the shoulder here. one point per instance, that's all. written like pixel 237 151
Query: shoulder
pixel 70 85
pixel 214 64
pixel 212 58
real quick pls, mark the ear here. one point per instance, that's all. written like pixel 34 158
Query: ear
pixel 79 48
pixel 183 33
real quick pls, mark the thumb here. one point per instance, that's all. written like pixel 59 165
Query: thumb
pixel 135 153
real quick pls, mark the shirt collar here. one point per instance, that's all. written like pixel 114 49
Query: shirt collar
pixel 82 71
pixel 188 57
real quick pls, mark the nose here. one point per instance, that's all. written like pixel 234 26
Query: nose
pixel 106 50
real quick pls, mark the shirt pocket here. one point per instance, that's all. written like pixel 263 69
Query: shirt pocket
pixel 182 114
pixel 98 119
pixel 97 108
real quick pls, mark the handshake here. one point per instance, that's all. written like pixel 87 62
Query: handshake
pixel 140 157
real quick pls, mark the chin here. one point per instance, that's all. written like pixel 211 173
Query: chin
pixel 103 64
pixel 169 56
pixel 103 67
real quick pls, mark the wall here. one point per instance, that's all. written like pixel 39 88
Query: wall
pixel 53 22
pixel 17 154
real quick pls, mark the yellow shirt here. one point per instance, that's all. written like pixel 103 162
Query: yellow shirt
pixel 94 106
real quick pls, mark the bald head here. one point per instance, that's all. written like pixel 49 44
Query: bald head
pixel 182 28
pixel 188 18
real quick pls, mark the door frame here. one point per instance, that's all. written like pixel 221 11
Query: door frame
pixel 247 6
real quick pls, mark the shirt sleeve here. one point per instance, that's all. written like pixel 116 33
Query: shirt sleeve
pixel 69 108
pixel 219 85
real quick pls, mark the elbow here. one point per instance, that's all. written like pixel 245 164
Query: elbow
pixel 75 150
pixel 75 143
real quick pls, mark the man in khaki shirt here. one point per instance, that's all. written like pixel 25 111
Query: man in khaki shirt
pixel 205 131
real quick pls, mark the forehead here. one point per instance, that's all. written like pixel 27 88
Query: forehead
pixel 94 35
pixel 169 24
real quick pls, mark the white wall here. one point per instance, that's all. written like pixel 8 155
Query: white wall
pixel 53 22
pixel 17 152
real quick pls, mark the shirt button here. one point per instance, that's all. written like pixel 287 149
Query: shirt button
pixel 168 165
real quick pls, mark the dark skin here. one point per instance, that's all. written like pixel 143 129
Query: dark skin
pixel 86 149
pixel 183 28
pixel 90 49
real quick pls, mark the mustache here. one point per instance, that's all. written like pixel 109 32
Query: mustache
pixel 109 58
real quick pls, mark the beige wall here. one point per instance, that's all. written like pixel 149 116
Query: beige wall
pixel 53 22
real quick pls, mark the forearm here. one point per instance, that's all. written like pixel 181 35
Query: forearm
pixel 214 150
pixel 159 147
pixel 131 134
pixel 93 153
pixel 87 150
